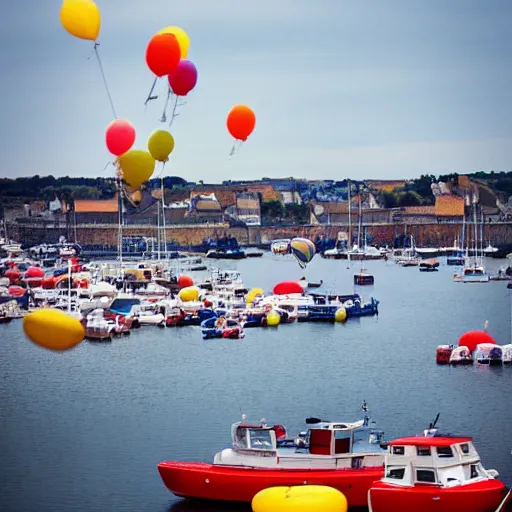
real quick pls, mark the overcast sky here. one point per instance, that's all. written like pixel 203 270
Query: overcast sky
pixel 341 88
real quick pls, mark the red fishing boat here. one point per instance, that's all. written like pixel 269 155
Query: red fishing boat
pixel 436 474
pixel 346 456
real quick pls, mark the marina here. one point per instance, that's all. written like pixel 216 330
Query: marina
pixel 235 279
pixel 265 359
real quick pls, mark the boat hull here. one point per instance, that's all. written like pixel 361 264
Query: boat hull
pixel 483 496
pixel 241 484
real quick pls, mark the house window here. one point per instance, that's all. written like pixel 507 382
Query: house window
pixel 395 473
pixel 444 451
pixel 398 450
pixel 426 476
pixel 423 451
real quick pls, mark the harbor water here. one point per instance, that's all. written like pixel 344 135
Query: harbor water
pixel 83 431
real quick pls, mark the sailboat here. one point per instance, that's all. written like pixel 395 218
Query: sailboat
pixel 407 257
pixel 457 256
pixel 474 269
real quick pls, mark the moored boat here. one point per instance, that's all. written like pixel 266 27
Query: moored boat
pixel 461 355
pixel 488 353
pixel 443 353
pixel 346 456
pixel 364 278
pixel 429 265
pixel 435 473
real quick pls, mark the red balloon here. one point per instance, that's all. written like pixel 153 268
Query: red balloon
pixel 17 291
pixel 34 272
pixel 185 281
pixel 287 287
pixel 241 122
pixel 163 54
pixel 471 339
pixel 184 78
pixel 120 136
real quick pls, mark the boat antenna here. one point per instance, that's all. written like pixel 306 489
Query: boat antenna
pixel 433 424
pixel 486 325
pixel 364 407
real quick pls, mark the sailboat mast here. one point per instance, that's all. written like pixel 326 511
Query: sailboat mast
pixel 475 234
pixel 463 224
pixel 360 223
pixel 69 285
pixel 349 244
pixel 120 220
pixel 158 229
pixel 481 235
pixel 163 218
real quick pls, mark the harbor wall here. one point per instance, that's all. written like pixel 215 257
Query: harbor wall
pixel 425 234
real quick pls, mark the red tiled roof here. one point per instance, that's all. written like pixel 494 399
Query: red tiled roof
pixel 449 206
pixel 96 206
pixel 419 210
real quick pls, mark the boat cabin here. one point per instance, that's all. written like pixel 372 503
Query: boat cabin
pixel 330 439
pixel 437 461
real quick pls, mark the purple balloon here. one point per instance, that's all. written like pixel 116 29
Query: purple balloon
pixel 184 78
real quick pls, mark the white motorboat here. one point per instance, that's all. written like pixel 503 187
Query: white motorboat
pixel 488 353
pixel 506 351
pixel 461 355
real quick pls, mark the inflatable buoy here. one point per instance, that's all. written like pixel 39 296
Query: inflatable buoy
pixel 53 329
pixel 340 315
pixel 185 281
pixel 188 294
pixel 273 318
pixel 253 294
pixel 304 498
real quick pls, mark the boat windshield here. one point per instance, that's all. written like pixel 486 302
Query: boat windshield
pixel 254 439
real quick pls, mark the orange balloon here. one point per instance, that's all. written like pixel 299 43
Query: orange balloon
pixel 241 122
pixel 163 54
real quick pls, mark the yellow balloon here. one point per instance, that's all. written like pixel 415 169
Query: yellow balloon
pixel 137 167
pixel 253 294
pixel 273 319
pixel 340 315
pixel 181 36
pixel 188 294
pixel 81 18
pixel 53 329
pixel 304 498
pixel 160 145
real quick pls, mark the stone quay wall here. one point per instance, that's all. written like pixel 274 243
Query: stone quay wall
pixel 425 234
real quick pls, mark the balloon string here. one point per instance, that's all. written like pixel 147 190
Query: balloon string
pixel 175 106
pixel 104 78
pixel 236 147
pixel 163 119
pixel 149 98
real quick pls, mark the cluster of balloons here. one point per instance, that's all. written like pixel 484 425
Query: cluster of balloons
pixel 136 166
pixel 166 55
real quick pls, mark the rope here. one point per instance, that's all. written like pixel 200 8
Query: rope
pixel 104 79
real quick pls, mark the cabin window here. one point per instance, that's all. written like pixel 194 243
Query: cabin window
pixel 464 448
pixel 423 451
pixel 425 475
pixel 241 438
pixel 444 451
pixel 357 462
pixel 398 450
pixel 342 441
pixel 395 473
pixel 260 439
pixel 475 471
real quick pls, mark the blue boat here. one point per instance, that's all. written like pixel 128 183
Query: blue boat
pixel 327 313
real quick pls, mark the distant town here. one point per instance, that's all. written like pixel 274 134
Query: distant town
pixel 43 209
